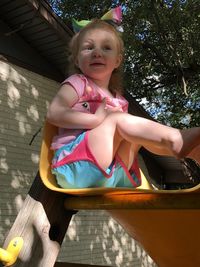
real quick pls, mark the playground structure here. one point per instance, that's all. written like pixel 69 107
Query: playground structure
pixel 165 222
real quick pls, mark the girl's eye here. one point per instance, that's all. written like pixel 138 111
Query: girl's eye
pixel 87 48
pixel 107 48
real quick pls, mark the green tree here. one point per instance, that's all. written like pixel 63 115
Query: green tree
pixel 162 60
pixel 163 57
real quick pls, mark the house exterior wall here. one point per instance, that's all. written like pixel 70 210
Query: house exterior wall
pixel 93 236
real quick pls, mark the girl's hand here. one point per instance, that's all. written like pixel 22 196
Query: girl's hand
pixel 101 112
pixel 113 109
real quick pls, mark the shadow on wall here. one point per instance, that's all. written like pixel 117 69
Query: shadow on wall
pixel 93 231
pixel 24 98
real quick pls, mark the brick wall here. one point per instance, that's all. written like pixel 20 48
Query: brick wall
pixel 93 237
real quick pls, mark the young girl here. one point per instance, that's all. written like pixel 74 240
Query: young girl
pixel 98 140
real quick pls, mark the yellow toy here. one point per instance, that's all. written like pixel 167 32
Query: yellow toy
pixel 9 255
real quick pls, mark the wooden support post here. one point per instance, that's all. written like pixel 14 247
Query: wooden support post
pixel 42 223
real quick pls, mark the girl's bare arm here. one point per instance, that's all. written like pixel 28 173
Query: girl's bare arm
pixel 61 114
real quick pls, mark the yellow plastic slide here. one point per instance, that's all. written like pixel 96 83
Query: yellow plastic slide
pixel 165 222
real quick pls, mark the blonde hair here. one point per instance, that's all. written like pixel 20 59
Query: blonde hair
pixel 115 84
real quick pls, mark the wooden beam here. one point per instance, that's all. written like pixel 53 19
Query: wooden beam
pixel 42 223
pixel 56 23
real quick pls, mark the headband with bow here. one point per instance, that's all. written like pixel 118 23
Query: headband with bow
pixel 113 16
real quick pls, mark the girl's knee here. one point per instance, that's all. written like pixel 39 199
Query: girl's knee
pixel 175 144
pixel 115 116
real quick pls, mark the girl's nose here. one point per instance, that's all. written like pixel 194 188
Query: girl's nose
pixel 97 52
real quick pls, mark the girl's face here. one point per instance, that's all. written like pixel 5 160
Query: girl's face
pixel 98 54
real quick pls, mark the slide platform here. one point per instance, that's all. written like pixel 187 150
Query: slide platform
pixel 165 222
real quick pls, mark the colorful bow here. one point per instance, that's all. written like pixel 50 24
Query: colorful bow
pixel 114 16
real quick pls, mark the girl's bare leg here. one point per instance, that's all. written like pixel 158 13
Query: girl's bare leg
pixel 193 154
pixel 105 139
pixel 127 152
